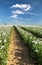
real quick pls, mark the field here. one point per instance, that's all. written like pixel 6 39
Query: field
pixel 20 45
pixel 5 32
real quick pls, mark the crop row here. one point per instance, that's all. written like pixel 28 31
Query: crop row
pixel 5 33
pixel 34 30
pixel 34 44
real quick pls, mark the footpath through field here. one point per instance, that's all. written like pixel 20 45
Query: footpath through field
pixel 18 53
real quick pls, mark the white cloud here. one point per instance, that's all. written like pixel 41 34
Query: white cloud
pixel 23 9
pixel 17 12
pixel 32 14
pixel 19 6
pixel 14 16
pixel 26 7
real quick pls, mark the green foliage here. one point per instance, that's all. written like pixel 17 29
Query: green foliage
pixel 36 31
pixel 34 44
pixel 4 43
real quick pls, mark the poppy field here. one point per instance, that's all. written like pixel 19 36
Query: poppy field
pixel 31 36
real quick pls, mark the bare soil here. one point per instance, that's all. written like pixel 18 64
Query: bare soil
pixel 18 53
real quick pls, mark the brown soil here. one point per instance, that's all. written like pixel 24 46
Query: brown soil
pixel 18 53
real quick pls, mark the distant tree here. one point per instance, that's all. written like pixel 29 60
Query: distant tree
pixel 5 23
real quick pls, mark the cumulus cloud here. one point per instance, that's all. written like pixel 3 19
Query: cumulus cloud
pixel 21 9
pixel 26 7
pixel 14 16
pixel 17 12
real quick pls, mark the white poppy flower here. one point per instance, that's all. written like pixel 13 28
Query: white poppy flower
pixel 4 33
pixel 4 40
pixel 36 50
pixel 2 47
pixel 34 42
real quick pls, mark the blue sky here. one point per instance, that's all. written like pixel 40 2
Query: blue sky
pixel 21 12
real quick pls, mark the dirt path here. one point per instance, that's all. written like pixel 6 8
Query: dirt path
pixel 18 53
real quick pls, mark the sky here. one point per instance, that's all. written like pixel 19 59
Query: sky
pixel 21 12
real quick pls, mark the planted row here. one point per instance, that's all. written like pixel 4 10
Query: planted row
pixel 4 43
pixel 34 30
pixel 34 44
